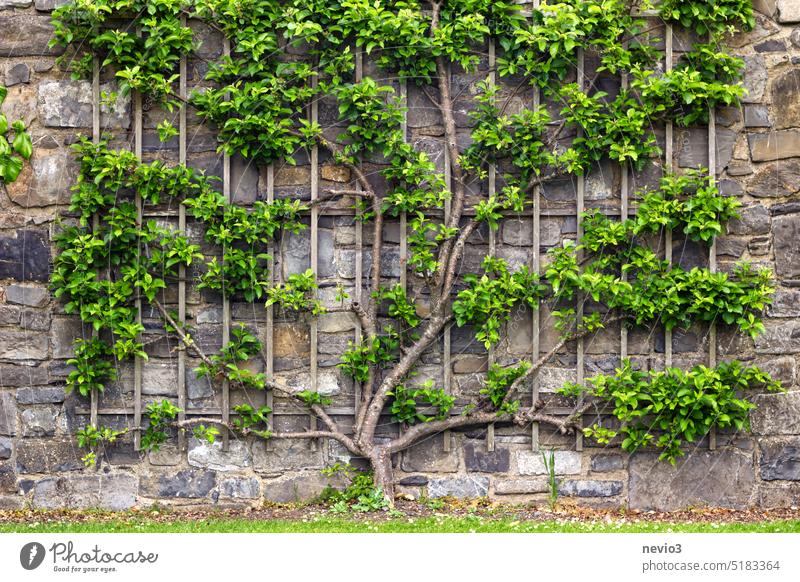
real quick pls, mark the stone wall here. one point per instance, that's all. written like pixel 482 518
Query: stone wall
pixel 758 157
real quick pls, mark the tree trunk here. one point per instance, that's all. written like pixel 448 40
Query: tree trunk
pixel 383 473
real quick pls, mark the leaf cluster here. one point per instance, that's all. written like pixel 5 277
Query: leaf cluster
pixel 670 408
pixel 15 145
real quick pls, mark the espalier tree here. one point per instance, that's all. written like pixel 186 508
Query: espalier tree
pixel 258 99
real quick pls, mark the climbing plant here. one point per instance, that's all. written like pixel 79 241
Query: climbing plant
pixel 283 56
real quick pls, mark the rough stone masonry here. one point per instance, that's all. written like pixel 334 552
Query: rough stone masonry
pixel 758 157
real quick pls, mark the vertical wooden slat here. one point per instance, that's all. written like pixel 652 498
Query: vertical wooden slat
pixel 668 167
pixel 492 233
pixel 269 331
pixel 712 255
pixel 579 204
pixel 314 117
pixel 226 302
pixel 94 396
pixel 535 268
pixel 403 215
pixel 359 270
pixel 182 231
pixel 623 216
pixel 138 362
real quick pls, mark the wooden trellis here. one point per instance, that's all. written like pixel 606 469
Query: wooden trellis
pixel 534 214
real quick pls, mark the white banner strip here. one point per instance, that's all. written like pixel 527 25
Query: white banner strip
pixel 389 557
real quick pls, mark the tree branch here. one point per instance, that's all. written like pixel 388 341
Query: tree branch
pixel 309 434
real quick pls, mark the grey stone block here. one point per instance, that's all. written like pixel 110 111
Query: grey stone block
pixel 39 421
pixel 590 488
pixel 240 488
pixel 721 478
pixel 23 375
pixel 113 492
pixel 753 220
pixel 48 455
pixel 780 460
pixel 8 479
pixel 211 456
pixel 41 395
pixel 280 455
pixel 25 255
pixel 6 448
pixel 521 486
pixel 23 35
pixel 430 457
pixel 606 463
pixel 46 180
pixel 779 338
pixel 413 481
pixel 478 459
pixel 776 414
pixel 755 78
pixel 532 463
pixel 774 145
pixel 305 486
pixel 188 484
pixel 467 487
pixel 785 303
pixel 16 74
pixel 8 414
pixel 67 103
pixel 788 11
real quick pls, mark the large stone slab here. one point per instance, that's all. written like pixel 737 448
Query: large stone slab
pixel 39 421
pixel 112 492
pixel 24 35
pixel 776 414
pixel 753 220
pixel 24 256
pixel 775 145
pixel 280 455
pixel 211 456
pixel 185 484
pixel 532 463
pixel 23 375
pixel 779 338
pixel 786 97
pixel 467 487
pixel 755 78
pixel 590 488
pixel 786 240
pixel 521 486
pixel 780 459
pixel 240 488
pixel 606 463
pixel 721 478
pixel 788 11
pixel 785 303
pixel 41 395
pixel 777 180
pixel 478 459
pixel 430 457
pixel 46 180
pixel 26 294
pixel 67 103
pixel 305 486
pixel 48 455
